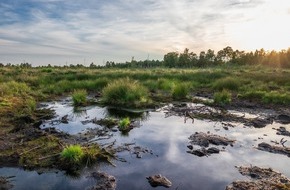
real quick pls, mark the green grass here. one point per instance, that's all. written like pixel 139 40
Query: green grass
pixel 72 154
pixel 250 82
pixel 180 91
pixel 126 93
pixel 124 124
pixel 222 98
pixel 227 83
pixel 79 97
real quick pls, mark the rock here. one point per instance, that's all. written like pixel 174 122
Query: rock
pixel 159 180
pixel 104 181
pixel 284 119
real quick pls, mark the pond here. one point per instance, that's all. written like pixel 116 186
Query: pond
pixel 166 139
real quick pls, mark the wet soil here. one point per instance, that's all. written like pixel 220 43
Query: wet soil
pixel 204 140
pixel 19 142
pixel 260 178
pixel 5 183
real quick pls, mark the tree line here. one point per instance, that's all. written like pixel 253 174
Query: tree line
pixel 209 58
pixel 188 59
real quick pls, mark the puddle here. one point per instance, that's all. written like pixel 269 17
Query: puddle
pixel 167 138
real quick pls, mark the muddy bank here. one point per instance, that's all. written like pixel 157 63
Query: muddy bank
pixel 104 181
pixel 260 178
pixel 274 148
pixel 204 140
pixel 190 112
pixel 5 183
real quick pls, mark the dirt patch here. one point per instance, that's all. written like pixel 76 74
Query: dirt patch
pixel 260 178
pixel 104 181
pixel 204 140
pixel 159 180
pixel 5 183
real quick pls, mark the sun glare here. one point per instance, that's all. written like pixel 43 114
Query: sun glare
pixel 269 30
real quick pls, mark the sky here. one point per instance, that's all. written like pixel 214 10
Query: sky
pixel 60 32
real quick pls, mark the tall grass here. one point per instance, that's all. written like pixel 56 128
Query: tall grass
pixel 180 91
pixel 79 97
pixel 125 92
pixel 223 98
pixel 227 83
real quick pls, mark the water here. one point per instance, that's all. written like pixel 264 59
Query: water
pixel 167 138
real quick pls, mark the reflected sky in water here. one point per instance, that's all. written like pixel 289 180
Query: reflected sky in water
pixel 168 140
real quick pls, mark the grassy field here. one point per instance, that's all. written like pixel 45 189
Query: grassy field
pixel 30 85
pixel 21 89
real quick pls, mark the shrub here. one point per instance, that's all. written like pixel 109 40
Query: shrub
pixel 226 83
pixel 124 124
pixel 180 91
pixel 72 154
pixel 79 97
pixel 125 92
pixel 222 98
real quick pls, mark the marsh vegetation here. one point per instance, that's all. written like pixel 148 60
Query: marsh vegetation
pixel 23 90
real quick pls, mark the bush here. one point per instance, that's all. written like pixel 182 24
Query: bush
pixel 126 93
pixel 72 154
pixel 79 97
pixel 222 98
pixel 180 91
pixel 226 83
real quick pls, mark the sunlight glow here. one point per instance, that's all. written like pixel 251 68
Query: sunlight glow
pixel 269 30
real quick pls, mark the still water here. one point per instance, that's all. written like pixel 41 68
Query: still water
pixel 167 139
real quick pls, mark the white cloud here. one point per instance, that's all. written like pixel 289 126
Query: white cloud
pixel 117 30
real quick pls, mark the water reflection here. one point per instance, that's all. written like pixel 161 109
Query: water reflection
pixel 168 139
pixel 122 113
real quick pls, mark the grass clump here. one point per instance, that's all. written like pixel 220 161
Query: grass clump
pixel 79 97
pixel 124 124
pixel 223 97
pixel 72 154
pixel 126 93
pixel 276 98
pixel 180 91
pixel 227 83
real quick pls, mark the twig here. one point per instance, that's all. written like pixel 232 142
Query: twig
pixel 31 149
pixel 283 142
pixel 49 156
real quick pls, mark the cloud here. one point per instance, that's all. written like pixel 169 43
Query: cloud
pixel 116 30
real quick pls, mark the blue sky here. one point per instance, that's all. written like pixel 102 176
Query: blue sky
pixel 62 32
